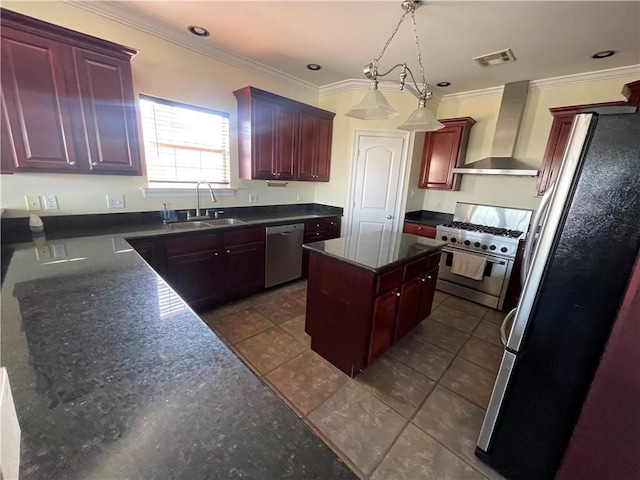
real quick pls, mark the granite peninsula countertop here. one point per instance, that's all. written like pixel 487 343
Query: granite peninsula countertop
pixel 427 217
pixel 376 251
pixel 113 376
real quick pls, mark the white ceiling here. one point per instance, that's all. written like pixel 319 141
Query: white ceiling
pixel 548 38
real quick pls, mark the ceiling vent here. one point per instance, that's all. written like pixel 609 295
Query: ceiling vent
pixel 496 58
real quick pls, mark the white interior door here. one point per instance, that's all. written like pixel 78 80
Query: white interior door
pixel 376 185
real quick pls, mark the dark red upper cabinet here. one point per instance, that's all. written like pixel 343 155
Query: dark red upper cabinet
pixel 560 128
pixel 37 103
pixel 444 150
pixel 108 112
pixel 68 102
pixel 281 139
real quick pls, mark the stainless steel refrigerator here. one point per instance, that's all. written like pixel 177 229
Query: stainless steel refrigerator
pixel 575 273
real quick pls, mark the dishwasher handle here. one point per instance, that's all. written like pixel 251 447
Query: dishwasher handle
pixel 285 229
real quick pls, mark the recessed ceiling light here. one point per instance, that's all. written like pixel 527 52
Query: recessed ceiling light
pixel 443 84
pixel 314 66
pixel 198 31
pixel 603 54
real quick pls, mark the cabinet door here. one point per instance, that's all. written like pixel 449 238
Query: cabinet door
pixel 323 133
pixel 306 148
pixel 408 307
pixel 429 281
pixel 37 103
pixel 314 153
pixel 197 277
pixel 444 150
pixel 385 309
pixel 333 230
pixel 244 268
pixel 148 250
pixel 108 126
pixel 264 139
pixel 286 143
pixel 558 136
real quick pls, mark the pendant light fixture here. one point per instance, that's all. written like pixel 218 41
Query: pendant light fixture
pixel 374 105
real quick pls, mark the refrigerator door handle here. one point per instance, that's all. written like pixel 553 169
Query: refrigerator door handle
pixel 528 246
pixel 503 328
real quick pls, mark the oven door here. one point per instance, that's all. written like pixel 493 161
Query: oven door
pixel 489 291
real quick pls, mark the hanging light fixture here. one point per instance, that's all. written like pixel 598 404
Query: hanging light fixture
pixel 374 105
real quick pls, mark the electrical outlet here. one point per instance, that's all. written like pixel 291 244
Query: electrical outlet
pixel 253 198
pixel 59 250
pixel 33 202
pixel 115 201
pixel 43 252
pixel 299 198
pixel 50 202
pixel 438 204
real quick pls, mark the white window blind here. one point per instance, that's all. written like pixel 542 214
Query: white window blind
pixel 184 144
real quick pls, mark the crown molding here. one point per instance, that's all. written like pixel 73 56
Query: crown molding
pixel 120 13
pixel 584 78
pixel 549 83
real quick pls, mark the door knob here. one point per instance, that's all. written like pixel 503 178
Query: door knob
pixel 389 217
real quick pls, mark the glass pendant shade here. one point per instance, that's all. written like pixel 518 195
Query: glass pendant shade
pixel 373 106
pixel 422 120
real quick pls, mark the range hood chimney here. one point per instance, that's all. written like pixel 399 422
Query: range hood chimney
pixel 501 161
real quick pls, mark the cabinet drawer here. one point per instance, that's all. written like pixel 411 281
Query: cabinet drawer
pixel 419 229
pixel 192 244
pixel 388 280
pixel 238 237
pixel 415 269
pixel 316 224
pixel 315 236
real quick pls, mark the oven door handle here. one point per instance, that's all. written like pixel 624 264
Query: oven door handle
pixel 497 262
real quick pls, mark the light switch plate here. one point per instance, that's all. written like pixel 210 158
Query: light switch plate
pixel 253 198
pixel 33 202
pixel 115 201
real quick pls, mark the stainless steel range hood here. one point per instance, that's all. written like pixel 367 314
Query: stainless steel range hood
pixel 501 161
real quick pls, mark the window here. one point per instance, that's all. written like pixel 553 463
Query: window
pixel 184 144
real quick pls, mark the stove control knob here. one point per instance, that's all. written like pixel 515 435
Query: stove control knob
pixel 492 247
pixel 444 237
pixel 484 247
pixel 467 242
pixel 504 249
pixel 453 240
pixel 477 244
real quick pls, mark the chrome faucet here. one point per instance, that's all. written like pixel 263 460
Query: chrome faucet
pixel 197 216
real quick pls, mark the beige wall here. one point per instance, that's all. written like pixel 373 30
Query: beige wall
pixel 162 69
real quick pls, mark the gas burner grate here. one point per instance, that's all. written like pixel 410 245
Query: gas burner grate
pixel 472 227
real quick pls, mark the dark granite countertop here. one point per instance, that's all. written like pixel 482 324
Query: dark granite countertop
pixel 374 251
pixel 427 217
pixel 113 376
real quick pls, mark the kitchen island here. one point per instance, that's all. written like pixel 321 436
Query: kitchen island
pixel 366 292
pixel 113 376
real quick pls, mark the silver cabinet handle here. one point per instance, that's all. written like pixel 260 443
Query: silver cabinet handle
pixel 72 163
pixel 228 251
pixel 397 294
pixel 503 327
pixel 215 254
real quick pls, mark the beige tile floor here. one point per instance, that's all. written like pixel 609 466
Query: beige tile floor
pixel 414 414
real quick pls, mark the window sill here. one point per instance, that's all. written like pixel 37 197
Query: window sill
pixel 157 192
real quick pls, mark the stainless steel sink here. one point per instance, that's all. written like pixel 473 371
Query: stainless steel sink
pixel 216 222
pixel 200 225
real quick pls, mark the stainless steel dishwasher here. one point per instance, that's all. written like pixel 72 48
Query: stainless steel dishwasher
pixel 283 257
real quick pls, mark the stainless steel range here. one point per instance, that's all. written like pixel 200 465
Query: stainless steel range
pixel 482 242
